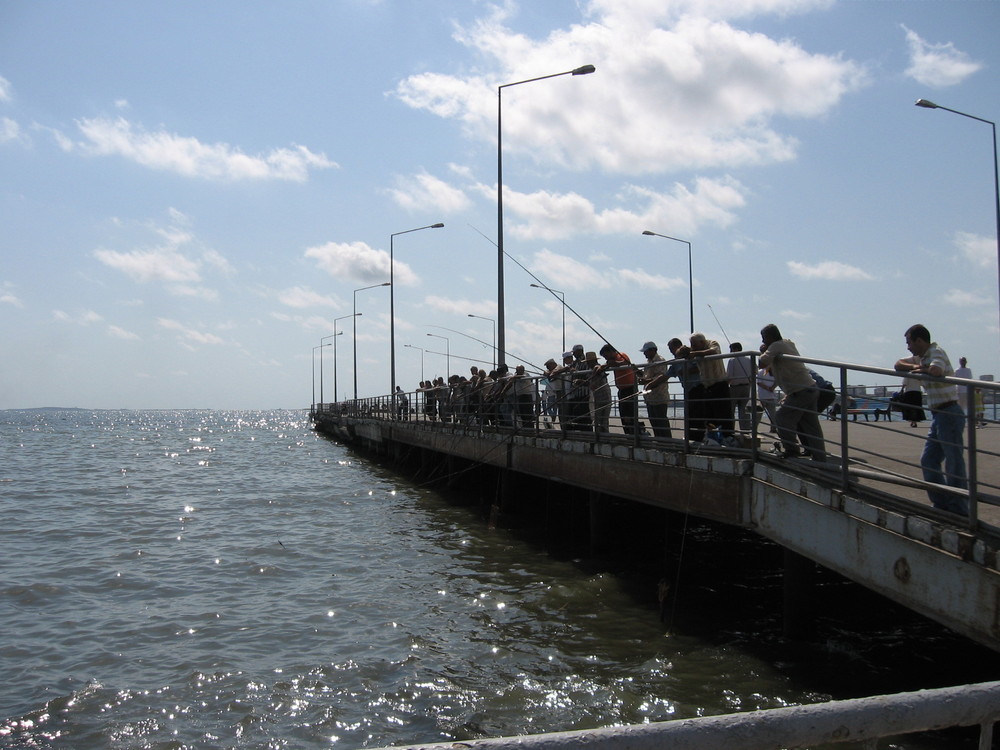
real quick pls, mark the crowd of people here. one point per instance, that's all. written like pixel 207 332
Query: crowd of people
pixel 575 395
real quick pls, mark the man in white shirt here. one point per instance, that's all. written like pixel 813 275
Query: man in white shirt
pixel 944 441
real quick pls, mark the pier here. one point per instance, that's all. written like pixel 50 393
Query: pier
pixel 863 514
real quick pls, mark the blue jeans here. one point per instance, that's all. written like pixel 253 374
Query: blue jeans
pixel 944 444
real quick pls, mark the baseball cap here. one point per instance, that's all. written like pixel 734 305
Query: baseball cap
pixel 649 345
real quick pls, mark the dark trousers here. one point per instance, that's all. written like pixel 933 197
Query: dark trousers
pixel 658 421
pixel 696 405
pixel 579 413
pixel 627 406
pixel 526 411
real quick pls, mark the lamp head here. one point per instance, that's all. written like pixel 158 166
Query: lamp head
pixel 584 70
pixel 648 233
pixel 437 226
pixel 926 104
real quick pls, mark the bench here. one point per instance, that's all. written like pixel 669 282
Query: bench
pixel 865 407
pixel 868 407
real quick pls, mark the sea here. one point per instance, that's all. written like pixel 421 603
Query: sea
pixel 232 579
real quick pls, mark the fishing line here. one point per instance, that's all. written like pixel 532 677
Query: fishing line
pixel 546 287
pixel 720 326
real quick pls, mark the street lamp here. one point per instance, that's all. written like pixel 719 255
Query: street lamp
pixel 447 351
pixel 996 174
pixel 501 336
pixel 321 370
pixel 411 346
pixel 690 276
pixel 334 337
pixel 354 336
pixel 320 376
pixel 392 305
pixel 337 333
pixel 494 336
pixel 562 297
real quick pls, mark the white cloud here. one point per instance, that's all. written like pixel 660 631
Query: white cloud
pixel 963 298
pixel 166 262
pixel 981 251
pixel 461 307
pixel 795 315
pixel 424 192
pixel 567 273
pixel 312 322
pixel 673 90
pixel 190 157
pixel 7 296
pixel 651 281
pixel 358 261
pixel 121 333
pixel 937 65
pixel 301 297
pixel 648 12
pixel 5 89
pixel 189 335
pixel 829 270
pixel 199 292
pixel 151 265
pixel 9 130
pixel 84 318
pixel 547 215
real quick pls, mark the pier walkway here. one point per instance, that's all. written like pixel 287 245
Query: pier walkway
pixel 863 514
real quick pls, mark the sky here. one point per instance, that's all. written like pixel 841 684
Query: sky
pixel 197 197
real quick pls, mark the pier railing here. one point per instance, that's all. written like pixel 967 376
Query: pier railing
pixel 855 450
pixel 860 722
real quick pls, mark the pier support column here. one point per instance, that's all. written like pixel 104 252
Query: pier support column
pixel 599 527
pixel 799 592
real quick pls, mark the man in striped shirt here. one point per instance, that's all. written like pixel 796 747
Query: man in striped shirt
pixel 944 441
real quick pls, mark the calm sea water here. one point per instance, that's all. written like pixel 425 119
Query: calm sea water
pixel 202 579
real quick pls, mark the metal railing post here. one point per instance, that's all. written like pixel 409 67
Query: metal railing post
pixel 754 422
pixel 845 476
pixel 972 468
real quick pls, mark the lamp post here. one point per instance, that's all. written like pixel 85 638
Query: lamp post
pixel 338 333
pixel 996 173
pixel 411 346
pixel 392 304
pixel 501 326
pixel 690 275
pixel 334 337
pixel 447 351
pixel 562 297
pixel 320 376
pixel 494 336
pixel 354 336
pixel 321 371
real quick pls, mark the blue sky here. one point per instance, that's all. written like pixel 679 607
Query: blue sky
pixel 193 192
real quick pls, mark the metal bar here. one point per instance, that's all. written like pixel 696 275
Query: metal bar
pixel 843 426
pixel 858 720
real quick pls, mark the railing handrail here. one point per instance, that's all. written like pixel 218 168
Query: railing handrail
pixel 863 720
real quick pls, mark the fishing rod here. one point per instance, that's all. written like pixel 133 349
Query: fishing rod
pixel 720 325
pixel 546 287
pixel 488 346
pixel 456 356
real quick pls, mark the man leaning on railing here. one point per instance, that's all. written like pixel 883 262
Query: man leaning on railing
pixel 944 441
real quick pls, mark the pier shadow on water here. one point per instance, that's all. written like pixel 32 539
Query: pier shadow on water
pixel 717 589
